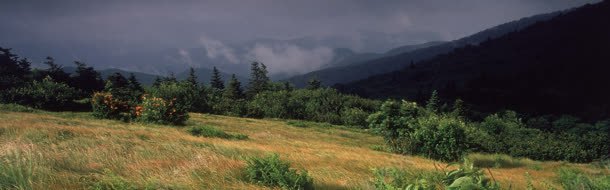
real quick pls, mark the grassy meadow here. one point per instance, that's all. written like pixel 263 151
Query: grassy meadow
pixel 73 150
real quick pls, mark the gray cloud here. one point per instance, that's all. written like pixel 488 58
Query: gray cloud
pixel 122 27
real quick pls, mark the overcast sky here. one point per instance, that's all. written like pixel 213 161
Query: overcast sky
pixel 158 24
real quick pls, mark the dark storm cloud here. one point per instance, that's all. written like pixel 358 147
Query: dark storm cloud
pixel 120 26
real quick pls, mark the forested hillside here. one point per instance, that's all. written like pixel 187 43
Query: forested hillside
pixel 393 62
pixel 557 66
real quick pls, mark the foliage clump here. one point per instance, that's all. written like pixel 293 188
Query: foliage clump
pixel 272 172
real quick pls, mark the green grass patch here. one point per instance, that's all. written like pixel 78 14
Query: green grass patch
pixel 496 161
pixel 208 131
pixel 300 124
pixel 575 179
pixel 272 172
pixel 16 108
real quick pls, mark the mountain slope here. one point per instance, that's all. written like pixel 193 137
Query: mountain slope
pixel 387 64
pixel 556 66
pixel 73 150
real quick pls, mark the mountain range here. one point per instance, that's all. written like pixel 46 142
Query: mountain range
pixel 557 66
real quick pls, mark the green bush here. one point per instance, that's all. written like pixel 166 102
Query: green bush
pixel 466 177
pixel 301 124
pixel 354 117
pixel 575 179
pixel 207 131
pixel 272 172
pixel 45 94
pixel 16 108
pixel 441 138
pixel 159 110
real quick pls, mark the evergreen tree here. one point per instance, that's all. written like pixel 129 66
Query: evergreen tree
pixel 86 78
pixel 287 86
pixel 55 71
pixel 13 72
pixel 171 78
pixel 233 90
pixel 458 108
pixel 134 84
pixel 259 81
pixel 313 84
pixel 192 78
pixel 118 86
pixel 157 82
pixel 216 81
pixel 433 102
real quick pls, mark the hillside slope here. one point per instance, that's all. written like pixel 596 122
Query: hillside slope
pixel 394 62
pixel 558 66
pixel 75 151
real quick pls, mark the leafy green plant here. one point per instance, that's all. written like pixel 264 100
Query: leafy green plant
pixel 297 124
pixel 575 179
pixel 273 172
pixel 207 131
pixel 162 111
pixel 45 94
pixel 18 170
pixel 16 108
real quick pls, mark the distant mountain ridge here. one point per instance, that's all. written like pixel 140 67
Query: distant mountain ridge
pixel 385 64
pixel 558 66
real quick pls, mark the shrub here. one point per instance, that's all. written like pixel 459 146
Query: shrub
pixel 273 172
pixel 440 138
pixel 494 161
pixel 105 106
pixel 206 131
pixel 159 110
pixel 16 108
pixel 300 124
pixel 575 179
pixel 45 94
pixel 354 117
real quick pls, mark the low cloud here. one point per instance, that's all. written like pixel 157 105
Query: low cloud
pixel 216 49
pixel 290 59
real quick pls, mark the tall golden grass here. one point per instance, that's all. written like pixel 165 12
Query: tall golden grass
pixel 76 151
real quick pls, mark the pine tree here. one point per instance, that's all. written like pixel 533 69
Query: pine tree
pixel 134 84
pixel 458 108
pixel 157 82
pixel 192 78
pixel 13 72
pixel 56 71
pixel 216 80
pixel 86 78
pixel 233 90
pixel 287 86
pixel 171 78
pixel 259 81
pixel 313 84
pixel 432 104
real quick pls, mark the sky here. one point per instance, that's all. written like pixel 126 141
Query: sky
pixel 128 26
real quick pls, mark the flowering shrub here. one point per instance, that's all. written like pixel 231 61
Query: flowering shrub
pixel 106 107
pixel 159 110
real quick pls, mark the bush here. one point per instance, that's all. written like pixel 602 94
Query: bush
pixel 575 179
pixel 159 110
pixel 45 94
pixel 206 131
pixel 354 117
pixel 16 108
pixel 105 106
pixel 440 138
pixel 272 172
pixel 465 177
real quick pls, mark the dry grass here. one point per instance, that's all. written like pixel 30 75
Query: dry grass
pixel 77 151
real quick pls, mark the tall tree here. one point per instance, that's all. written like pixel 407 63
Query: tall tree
pixel 192 78
pixel 134 84
pixel 171 78
pixel 157 81
pixel 216 80
pixel 86 78
pixel 433 103
pixel 233 90
pixel 259 81
pixel 314 83
pixel 55 71
pixel 13 72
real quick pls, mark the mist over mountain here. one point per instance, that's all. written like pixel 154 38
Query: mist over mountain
pixel 291 37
